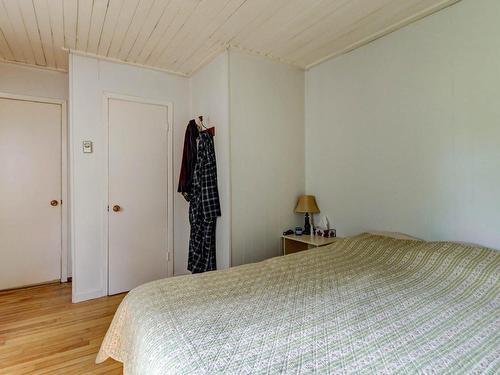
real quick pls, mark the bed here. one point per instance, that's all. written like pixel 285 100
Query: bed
pixel 364 304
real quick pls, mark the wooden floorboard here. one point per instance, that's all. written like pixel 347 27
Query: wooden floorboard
pixel 42 332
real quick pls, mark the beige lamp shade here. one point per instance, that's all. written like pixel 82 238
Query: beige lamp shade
pixel 307 204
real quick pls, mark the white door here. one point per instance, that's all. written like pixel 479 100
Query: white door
pixel 138 194
pixel 30 192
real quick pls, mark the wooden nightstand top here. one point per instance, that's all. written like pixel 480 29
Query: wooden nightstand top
pixel 316 241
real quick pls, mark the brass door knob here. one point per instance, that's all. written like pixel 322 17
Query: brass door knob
pixel 116 208
pixel 54 203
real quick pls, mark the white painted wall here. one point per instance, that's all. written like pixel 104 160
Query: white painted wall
pixel 210 98
pixel 404 133
pixel 27 80
pixel 89 78
pixel 267 154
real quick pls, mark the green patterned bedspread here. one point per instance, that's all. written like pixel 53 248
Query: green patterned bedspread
pixel 363 305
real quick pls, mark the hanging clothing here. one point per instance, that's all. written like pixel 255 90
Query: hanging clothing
pixel 204 208
pixel 189 156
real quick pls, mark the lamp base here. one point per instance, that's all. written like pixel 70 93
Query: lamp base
pixel 307 225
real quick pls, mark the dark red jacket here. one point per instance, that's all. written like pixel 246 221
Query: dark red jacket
pixel 188 160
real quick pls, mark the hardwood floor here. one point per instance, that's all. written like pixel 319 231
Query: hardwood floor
pixel 42 332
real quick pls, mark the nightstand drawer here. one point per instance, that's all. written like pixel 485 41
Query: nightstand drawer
pixel 290 246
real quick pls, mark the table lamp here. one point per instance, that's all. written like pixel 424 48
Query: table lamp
pixel 307 205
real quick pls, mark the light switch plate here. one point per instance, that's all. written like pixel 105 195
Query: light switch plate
pixel 87 147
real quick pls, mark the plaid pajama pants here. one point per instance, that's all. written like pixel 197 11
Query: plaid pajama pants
pixel 204 208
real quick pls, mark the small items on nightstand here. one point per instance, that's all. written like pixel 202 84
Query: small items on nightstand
pixel 324 230
pixel 307 205
pixel 327 233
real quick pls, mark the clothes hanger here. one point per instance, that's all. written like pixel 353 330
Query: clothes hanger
pixel 203 129
pixel 202 123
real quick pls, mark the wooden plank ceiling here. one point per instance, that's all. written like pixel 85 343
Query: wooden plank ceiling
pixel 182 35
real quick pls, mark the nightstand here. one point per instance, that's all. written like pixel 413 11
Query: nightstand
pixel 293 243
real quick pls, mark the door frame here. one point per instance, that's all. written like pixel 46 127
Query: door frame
pixel 170 180
pixel 64 171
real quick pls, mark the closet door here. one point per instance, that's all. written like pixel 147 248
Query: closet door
pixel 30 192
pixel 138 194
